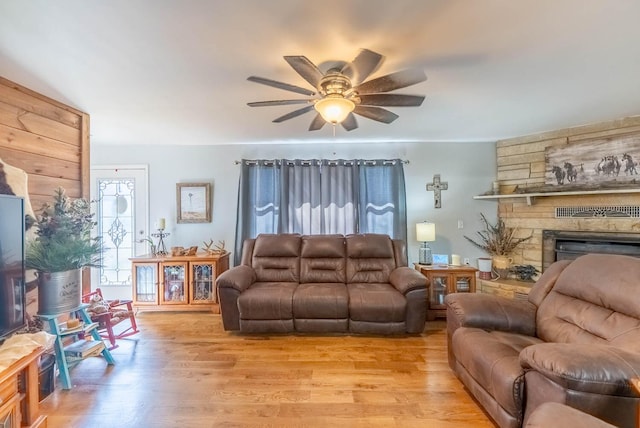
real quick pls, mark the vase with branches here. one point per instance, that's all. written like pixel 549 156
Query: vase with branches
pixel 499 241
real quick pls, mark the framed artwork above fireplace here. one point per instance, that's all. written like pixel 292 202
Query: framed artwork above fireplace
pixel 594 164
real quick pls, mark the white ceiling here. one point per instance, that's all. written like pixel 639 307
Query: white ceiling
pixel 174 72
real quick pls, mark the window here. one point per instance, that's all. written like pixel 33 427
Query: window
pixel 321 196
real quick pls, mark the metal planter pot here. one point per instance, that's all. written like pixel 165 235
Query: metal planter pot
pixel 59 292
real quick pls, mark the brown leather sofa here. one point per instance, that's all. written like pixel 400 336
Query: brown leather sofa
pixel 575 341
pixel 323 283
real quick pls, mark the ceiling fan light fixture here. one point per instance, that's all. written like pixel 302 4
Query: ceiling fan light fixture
pixel 334 108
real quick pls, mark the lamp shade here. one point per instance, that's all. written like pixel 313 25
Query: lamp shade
pixel 425 232
pixel 334 108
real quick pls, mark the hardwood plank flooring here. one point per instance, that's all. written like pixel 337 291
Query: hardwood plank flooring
pixel 183 370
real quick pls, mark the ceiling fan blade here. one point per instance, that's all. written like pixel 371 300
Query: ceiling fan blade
pixel 362 66
pixel 278 103
pixel 305 68
pixel 350 123
pixel 293 114
pixel 317 123
pixel 280 85
pixel 376 113
pixel 392 100
pixel 390 82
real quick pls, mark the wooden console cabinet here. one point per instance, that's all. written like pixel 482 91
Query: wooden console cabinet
pixel 21 408
pixel 180 283
pixel 445 279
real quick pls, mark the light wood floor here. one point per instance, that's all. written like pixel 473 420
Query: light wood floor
pixel 183 370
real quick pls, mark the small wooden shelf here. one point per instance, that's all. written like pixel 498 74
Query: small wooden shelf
pixel 69 355
pixel 443 280
pixel 530 196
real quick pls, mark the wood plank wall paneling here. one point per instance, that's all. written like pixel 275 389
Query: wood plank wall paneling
pixel 521 162
pixel 47 139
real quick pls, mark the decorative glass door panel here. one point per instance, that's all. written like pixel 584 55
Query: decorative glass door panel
pixel 174 283
pixel 438 290
pixel 202 283
pixel 463 283
pixel 121 214
pixel 145 283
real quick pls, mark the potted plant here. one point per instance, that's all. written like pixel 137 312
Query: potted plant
pixel 499 241
pixel 62 248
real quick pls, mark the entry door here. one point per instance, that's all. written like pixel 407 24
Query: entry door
pixel 121 207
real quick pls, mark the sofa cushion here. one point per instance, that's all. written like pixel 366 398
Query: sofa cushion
pixel 267 301
pixel 589 304
pixel 370 258
pixel 322 259
pixel 275 258
pixel 376 303
pixel 321 300
pixel 492 359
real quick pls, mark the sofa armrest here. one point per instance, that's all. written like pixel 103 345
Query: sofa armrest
pixel 590 368
pixel 406 279
pixel 490 312
pixel 239 278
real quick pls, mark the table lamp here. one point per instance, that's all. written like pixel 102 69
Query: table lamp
pixel 425 233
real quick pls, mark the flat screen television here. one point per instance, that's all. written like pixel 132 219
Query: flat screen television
pixel 12 275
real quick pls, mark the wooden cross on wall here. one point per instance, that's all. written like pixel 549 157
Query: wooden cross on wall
pixel 437 186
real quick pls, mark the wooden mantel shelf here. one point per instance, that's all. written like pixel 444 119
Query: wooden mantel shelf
pixel 530 196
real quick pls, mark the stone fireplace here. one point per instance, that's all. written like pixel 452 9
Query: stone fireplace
pixel 578 222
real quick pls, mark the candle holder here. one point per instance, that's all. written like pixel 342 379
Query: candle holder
pixel 161 250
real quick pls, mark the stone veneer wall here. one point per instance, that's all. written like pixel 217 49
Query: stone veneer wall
pixel 520 161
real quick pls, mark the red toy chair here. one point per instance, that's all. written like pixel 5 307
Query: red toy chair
pixel 108 314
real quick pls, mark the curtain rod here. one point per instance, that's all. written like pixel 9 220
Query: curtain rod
pixel 237 162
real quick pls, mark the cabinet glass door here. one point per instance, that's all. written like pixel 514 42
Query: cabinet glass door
pixel 174 288
pixel 145 283
pixel 202 283
pixel 438 290
pixel 463 283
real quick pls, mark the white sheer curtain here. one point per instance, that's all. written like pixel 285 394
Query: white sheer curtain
pixel 321 196
pixel 339 196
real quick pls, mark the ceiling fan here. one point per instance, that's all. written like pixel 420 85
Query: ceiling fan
pixel 343 91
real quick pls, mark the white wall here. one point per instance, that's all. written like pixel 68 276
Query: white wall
pixel 468 168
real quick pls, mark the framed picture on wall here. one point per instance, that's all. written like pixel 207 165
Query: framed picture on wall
pixel 194 202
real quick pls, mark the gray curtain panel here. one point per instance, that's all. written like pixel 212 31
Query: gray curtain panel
pixel 320 196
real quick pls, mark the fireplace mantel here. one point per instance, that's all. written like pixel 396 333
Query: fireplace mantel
pixel 530 197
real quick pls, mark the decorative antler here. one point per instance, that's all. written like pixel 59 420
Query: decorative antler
pixel 217 248
pixel 207 245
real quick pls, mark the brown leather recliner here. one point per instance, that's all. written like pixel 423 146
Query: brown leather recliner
pixel 576 341
pixel 323 283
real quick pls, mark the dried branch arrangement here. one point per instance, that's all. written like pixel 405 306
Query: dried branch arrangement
pixel 498 239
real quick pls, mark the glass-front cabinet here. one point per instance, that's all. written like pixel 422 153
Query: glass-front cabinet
pixel 174 283
pixel 202 288
pixel 444 280
pixel 177 283
pixel 145 284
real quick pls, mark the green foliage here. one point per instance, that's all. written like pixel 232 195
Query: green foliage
pixel 64 239
pixel 498 239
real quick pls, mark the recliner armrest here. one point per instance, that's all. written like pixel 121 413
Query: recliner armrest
pixel 592 368
pixel 406 279
pixel 490 312
pixel 239 278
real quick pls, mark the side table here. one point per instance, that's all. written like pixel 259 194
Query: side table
pixel 445 279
